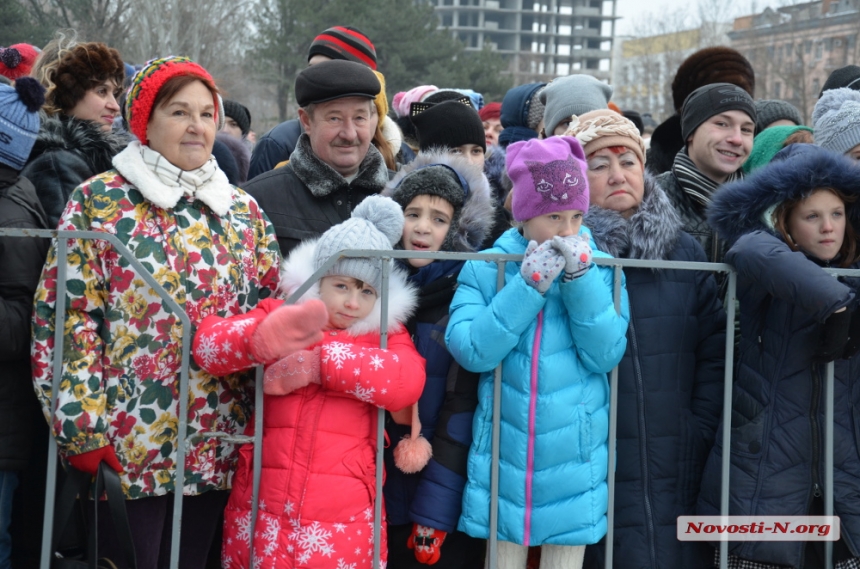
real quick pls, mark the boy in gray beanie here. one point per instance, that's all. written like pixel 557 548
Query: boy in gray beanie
pixel 836 120
pixel 571 96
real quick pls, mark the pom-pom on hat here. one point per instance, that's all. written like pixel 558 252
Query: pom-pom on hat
pixel 570 96
pixel 448 125
pixel 344 42
pixel 604 128
pixel 17 60
pixel 149 81
pixel 376 223
pixel 836 120
pixel 19 120
pixel 548 175
pixel 712 65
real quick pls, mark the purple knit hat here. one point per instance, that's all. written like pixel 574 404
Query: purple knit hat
pixel 549 175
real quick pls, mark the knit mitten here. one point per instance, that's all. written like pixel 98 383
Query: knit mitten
pixel 834 336
pixel 427 543
pixel 542 264
pixel 292 372
pixel 577 255
pixel 89 461
pixel 288 329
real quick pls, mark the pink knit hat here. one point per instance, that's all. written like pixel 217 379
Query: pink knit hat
pixel 402 101
pixel 549 175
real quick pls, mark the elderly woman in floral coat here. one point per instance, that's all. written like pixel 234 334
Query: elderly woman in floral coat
pixel 213 250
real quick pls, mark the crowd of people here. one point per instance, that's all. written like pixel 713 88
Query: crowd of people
pixel 231 226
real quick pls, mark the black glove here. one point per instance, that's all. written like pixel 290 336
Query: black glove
pixel 852 346
pixel 834 336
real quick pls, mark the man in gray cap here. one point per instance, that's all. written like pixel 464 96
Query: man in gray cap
pixel 334 165
pixel 718 125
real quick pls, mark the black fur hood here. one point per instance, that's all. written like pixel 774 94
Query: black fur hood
pixel 650 234
pixel 84 138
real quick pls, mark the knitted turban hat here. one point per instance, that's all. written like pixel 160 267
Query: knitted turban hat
pixel 149 81
pixel 712 65
pixel 17 60
pixel 836 120
pixel 344 42
pixel 376 223
pixel 604 128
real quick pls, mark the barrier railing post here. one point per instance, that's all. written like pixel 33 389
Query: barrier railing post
pixel 493 543
pixel 727 408
pixel 828 456
pixel 258 458
pixel 380 421
pixel 613 434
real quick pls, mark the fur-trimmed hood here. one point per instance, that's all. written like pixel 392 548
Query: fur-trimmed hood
pixel 84 138
pixel 649 234
pixel 744 206
pixel 392 133
pixel 402 297
pixel 472 225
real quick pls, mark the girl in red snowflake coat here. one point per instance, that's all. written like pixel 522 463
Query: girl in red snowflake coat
pixel 318 487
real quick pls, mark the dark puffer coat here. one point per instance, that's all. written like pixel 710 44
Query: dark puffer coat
pixel 67 152
pixel 670 385
pixel 777 430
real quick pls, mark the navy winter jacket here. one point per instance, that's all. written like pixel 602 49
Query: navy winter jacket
pixel 777 429
pixel 670 384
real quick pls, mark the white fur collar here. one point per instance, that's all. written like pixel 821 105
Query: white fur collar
pixel 218 193
pixel 402 296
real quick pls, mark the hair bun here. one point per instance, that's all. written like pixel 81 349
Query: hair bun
pixel 384 213
pixel 31 93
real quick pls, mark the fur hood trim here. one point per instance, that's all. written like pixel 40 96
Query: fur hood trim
pixel 391 133
pixel 322 180
pixel 649 234
pixel 81 137
pixel 402 297
pixel 476 217
pixel 217 194
pixel 744 206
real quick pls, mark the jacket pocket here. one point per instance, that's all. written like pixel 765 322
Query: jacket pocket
pixel 748 418
pixel 586 441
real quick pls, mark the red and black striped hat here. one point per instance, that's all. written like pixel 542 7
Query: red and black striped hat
pixel 344 42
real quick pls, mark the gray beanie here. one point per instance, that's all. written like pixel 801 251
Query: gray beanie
pixel 571 96
pixel 768 111
pixel 376 223
pixel 836 120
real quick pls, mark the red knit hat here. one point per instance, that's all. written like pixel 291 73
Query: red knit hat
pixel 344 42
pixel 490 111
pixel 17 60
pixel 149 81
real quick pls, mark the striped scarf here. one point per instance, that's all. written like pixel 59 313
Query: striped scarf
pixel 694 183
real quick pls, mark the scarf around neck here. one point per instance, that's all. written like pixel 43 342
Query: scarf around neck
pixel 694 183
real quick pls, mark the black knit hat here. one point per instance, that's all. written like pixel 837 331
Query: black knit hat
pixel 239 113
pixel 636 119
pixel 447 125
pixel 344 42
pixel 712 65
pixel 848 76
pixel 771 110
pixel 710 100
pixel 335 79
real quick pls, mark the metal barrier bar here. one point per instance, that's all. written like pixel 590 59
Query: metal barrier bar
pixel 828 456
pixel 258 457
pixel 495 445
pixel 731 295
pixel 613 434
pixel 380 421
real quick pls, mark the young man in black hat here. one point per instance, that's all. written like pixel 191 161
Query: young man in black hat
pixel 334 166
pixel 718 125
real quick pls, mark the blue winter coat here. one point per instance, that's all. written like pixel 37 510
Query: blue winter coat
pixel 670 386
pixel 777 430
pixel 555 350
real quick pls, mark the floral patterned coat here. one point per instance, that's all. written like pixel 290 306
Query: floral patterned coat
pixel 318 484
pixel 122 349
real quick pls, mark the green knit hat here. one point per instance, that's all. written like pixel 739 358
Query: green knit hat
pixel 767 143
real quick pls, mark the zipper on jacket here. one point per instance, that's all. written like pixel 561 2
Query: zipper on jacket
pixel 813 423
pixel 643 445
pixel 530 452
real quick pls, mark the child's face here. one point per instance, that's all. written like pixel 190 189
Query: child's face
pixel 544 227
pixel 426 221
pixel 347 300
pixel 817 224
pixel 473 152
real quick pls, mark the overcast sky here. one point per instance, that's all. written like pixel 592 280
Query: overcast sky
pixel 633 11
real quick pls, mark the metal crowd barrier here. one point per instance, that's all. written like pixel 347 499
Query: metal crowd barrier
pixel 617 264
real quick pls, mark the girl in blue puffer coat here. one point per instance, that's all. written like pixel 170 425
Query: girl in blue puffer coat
pixel 554 329
pixel 787 221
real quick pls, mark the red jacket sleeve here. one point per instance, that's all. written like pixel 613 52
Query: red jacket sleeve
pixel 220 345
pixel 391 378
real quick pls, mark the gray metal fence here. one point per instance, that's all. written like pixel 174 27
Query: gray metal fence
pixel 617 264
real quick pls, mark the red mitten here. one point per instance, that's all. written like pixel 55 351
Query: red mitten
pixel 288 329
pixel 427 543
pixel 89 461
pixel 292 372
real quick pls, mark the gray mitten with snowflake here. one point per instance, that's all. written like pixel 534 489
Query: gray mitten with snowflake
pixel 542 264
pixel 577 255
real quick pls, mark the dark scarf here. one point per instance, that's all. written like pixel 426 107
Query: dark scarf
pixel 321 179
pixel 695 184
